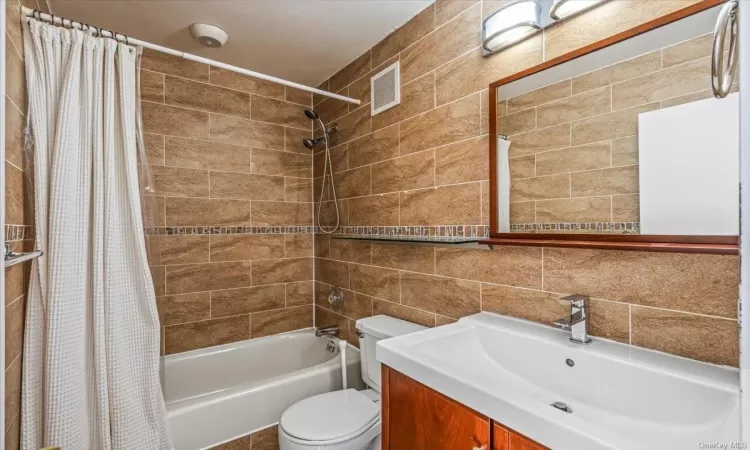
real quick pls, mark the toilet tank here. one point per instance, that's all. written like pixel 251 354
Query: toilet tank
pixel 371 330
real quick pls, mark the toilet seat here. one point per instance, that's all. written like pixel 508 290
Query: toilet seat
pixel 330 418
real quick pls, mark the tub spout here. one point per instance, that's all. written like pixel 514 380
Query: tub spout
pixel 331 330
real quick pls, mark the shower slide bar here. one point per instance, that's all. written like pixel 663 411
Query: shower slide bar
pixel 50 18
pixel 12 258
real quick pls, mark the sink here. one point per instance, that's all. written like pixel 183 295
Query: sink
pixel 617 396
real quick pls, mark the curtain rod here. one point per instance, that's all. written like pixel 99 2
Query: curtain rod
pixel 28 12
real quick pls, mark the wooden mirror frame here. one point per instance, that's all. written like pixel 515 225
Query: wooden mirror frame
pixel 723 245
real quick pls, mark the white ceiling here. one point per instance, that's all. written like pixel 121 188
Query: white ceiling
pixel 305 41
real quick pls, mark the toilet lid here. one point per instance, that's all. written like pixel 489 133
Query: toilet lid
pixel 331 416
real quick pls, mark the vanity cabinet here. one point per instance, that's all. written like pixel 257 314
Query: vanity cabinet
pixel 416 417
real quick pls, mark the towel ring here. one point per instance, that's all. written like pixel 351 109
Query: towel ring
pixel 722 74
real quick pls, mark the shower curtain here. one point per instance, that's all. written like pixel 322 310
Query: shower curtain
pixel 91 350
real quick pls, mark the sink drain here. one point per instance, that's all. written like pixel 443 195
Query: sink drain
pixel 562 407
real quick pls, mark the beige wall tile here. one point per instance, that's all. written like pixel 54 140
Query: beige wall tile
pixel 272 162
pixel 610 320
pixel 546 139
pixel 374 210
pixel 154 148
pixel 325 317
pixel 402 312
pixel 407 172
pixel 625 208
pixel 297 96
pixel 298 245
pixel 355 306
pixel 544 307
pixel 282 113
pixel 679 80
pixel 205 212
pixel 293 138
pixel 374 281
pixel 173 65
pixel 689 50
pixel 331 109
pixel 485 187
pixel 574 159
pixel 445 296
pixel 14 134
pixel 300 293
pixel 538 97
pixel 182 279
pixel 354 70
pixel 206 333
pixel 14 195
pixel 349 250
pixel 416 28
pixel 445 10
pixel 298 189
pixel 13 26
pixel 404 257
pixel 360 89
pixel 353 183
pixel 416 98
pixel 180 182
pixel 516 123
pixel 580 106
pixel 513 266
pixel 462 162
pixel 522 212
pixel 15 316
pixel 16 281
pixel 693 97
pixel 206 155
pixel 246 247
pixel 328 213
pixel 620 180
pixel 353 125
pixel 338 158
pixel 288 270
pixel 15 80
pixel 13 434
pixel 625 151
pixel 484 111
pixel 444 205
pixel 705 284
pixel 182 249
pixel 609 126
pixel 692 336
pixel 443 125
pixel 540 188
pixel 233 80
pixel 13 393
pixel 232 302
pixel 631 68
pixel 246 186
pixel 374 147
pixel 173 121
pixel 522 167
pixel 159 280
pixel 152 86
pixel 335 273
pixel 281 214
pixel 591 209
pixel 202 96
pixel 233 130
pixel 185 308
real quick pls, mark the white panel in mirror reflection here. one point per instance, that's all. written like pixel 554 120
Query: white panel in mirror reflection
pixel 689 168
pixel 503 184
pixel 673 33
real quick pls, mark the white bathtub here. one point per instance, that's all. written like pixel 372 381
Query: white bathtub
pixel 217 394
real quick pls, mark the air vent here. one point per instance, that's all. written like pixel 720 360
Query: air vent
pixel 385 89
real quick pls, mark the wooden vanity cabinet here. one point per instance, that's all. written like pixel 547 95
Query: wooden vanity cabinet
pixel 416 417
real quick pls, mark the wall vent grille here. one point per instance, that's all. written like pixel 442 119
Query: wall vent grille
pixel 385 89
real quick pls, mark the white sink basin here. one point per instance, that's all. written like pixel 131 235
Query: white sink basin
pixel 621 397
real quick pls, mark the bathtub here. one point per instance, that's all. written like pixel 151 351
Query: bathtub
pixel 221 393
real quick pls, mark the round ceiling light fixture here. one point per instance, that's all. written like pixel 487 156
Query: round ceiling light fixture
pixel 209 35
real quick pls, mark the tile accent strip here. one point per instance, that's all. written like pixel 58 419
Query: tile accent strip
pixel 478 231
pixel 626 227
pixel 19 232
pixel 169 231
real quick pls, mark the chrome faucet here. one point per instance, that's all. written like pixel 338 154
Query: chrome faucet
pixel 330 330
pixel 578 322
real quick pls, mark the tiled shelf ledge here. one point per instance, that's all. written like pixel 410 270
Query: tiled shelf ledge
pixel 449 241
pixel 634 245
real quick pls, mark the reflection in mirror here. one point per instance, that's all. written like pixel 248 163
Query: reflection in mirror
pixel 627 139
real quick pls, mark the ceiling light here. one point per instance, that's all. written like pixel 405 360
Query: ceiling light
pixel 510 24
pixel 563 9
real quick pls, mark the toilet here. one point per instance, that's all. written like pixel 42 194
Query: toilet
pixel 347 419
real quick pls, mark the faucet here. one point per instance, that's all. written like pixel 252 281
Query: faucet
pixel 578 322
pixel 330 330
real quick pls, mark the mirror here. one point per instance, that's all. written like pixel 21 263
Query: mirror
pixel 624 140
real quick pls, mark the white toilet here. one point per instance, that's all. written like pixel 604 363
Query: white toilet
pixel 350 419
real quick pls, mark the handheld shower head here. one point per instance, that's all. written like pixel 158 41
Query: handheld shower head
pixel 312 115
pixel 311 143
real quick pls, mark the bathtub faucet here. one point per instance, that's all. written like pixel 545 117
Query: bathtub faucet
pixel 330 330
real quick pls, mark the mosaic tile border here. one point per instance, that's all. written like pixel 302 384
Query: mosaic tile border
pixel 174 231
pixel 19 232
pixel 627 227
pixel 442 231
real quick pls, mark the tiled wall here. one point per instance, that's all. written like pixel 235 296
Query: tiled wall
pixel 425 162
pixel 230 235
pixel 574 143
pixel 18 215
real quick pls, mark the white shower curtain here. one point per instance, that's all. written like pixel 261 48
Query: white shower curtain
pixel 91 351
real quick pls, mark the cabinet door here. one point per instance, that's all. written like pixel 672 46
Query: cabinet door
pixel 418 418
pixel 504 439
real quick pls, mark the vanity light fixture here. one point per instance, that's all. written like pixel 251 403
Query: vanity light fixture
pixel 510 24
pixel 564 9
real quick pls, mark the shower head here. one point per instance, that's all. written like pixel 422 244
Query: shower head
pixel 312 115
pixel 311 143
